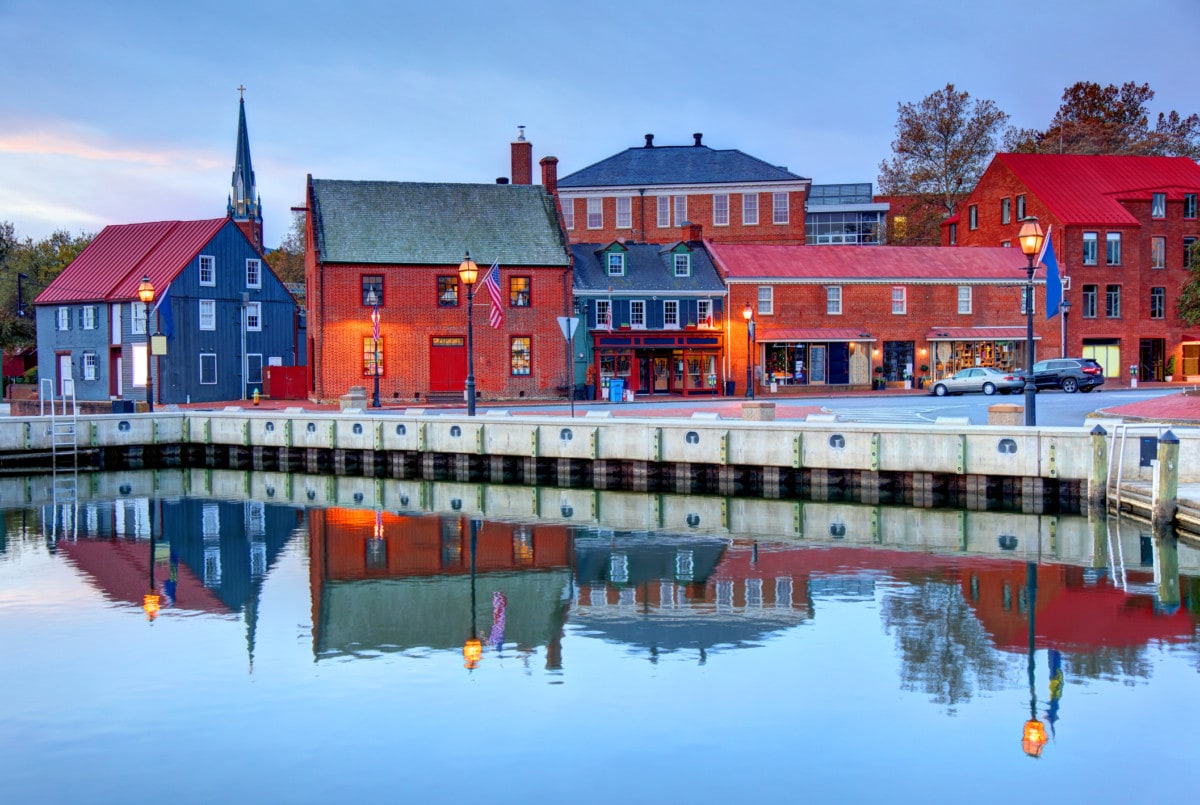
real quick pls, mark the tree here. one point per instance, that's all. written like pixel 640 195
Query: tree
pixel 39 262
pixel 1188 304
pixel 1109 120
pixel 288 260
pixel 943 144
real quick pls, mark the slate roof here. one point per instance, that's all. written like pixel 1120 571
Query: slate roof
pixel 113 264
pixel 1087 189
pixel 676 165
pixel 883 264
pixel 649 268
pixel 422 223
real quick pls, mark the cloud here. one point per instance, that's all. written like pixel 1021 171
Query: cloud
pixel 60 139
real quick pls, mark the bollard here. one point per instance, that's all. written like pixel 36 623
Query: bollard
pixel 1166 484
pixel 1098 484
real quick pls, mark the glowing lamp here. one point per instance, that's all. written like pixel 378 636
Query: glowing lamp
pixel 1031 237
pixel 1033 737
pixel 472 653
pixel 468 272
pixel 747 313
pixel 151 604
pixel 145 291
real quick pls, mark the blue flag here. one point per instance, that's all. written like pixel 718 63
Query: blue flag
pixel 165 319
pixel 1054 287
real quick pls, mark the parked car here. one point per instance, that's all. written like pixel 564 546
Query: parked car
pixel 1068 374
pixel 979 378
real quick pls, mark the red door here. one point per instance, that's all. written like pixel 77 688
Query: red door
pixel 447 364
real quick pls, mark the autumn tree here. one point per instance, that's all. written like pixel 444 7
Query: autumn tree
pixel 287 261
pixel 33 265
pixel 1109 120
pixel 1188 304
pixel 943 145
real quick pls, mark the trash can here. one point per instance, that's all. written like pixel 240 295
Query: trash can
pixel 122 406
pixel 729 387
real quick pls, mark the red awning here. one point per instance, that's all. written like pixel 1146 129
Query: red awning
pixel 978 334
pixel 812 334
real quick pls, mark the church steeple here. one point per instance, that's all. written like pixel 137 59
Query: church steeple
pixel 244 205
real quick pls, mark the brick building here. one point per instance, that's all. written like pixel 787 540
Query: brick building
pixel 400 244
pixel 1121 226
pixel 646 194
pixel 845 316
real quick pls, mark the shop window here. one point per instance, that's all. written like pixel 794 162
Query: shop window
pixel 521 356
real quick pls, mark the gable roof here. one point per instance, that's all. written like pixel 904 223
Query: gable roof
pixel 1087 189
pixel 113 264
pixel 881 264
pixel 426 223
pixel 676 165
pixel 649 268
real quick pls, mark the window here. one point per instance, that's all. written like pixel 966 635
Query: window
pixel 254 316
pixel 833 300
pixel 447 291
pixel 683 265
pixel 1189 205
pixel 624 212
pixel 1158 252
pixel 254 273
pixel 595 213
pixel 964 299
pixel 953 234
pixel 139 353
pixel 1112 243
pixel 720 209
pixel 1158 205
pixel 1188 243
pixel 372 284
pixel 64 318
pixel 1158 303
pixel 973 217
pixel 1020 208
pixel 254 365
pixel 568 213
pixel 1089 248
pixel 766 300
pixel 518 291
pixel 89 366
pixel 1089 301
pixel 137 319
pixel 208 314
pixel 671 313
pixel 1005 210
pixel 89 317
pixel 603 313
pixel 779 208
pixel 208 270
pixel 664 211
pixel 372 360
pixel 900 227
pixel 1007 244
pixel 750 209
pixel 899 300
pixel 637 314
pixel 208 369
pixel 704 312
pixel 680 210
pixel 1112 301
pixel 519 350
pixel 616 264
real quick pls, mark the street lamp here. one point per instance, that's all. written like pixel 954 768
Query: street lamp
pixel 473 647
pixel 1031 238
pixel 145 292
pixel 373 301
pixel 468 272
pixel 1066 310
pixel 748 315
pixel 1033 733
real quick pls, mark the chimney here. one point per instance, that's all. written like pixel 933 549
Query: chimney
pixel 697 137
pixel 649 141
pixel 692 233
pixel 501 180
pixel 522 159
pixel 550 174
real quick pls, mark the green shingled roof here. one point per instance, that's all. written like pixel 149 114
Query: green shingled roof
pixel 418 223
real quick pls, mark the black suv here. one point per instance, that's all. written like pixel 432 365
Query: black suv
pixel 1069 374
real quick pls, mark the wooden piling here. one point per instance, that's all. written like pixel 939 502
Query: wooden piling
pixel 1165 491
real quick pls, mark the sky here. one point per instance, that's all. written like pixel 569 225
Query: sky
pixel 121 112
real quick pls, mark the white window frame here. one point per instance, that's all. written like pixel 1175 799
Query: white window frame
pixel 208 270
pixel 89 317
pixel 141 363
pixel 624 212
pixel 899 300
pixel 88 362
pixel 750 209
pixel 254 367
pixel 671 314
pixel 833 300
pixel 972 217
pixel 637 314
pixel 680 204
pixel 595 212
pixel 253 273
pixel 664 212
pixel 1005 210
pixel 604 313
pixel 720 209
pixel 780 214
pixel 568 213
pixel 619 264
pixel 1158 205
pixel 1112 301
pixel 766 300
pixel 137 318
pixel 1021 207
pixel 1189 206
pixel 683 265
pixel 254 317
pixel 64 319
pixel 1091 242
pixel 1112 246
pixel 210 358
pixel 704 312
pixel 208 314
pixel 1158 252
pixel 964 299
pixel 1159 307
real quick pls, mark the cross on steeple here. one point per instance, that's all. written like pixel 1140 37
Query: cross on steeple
pixel 241 92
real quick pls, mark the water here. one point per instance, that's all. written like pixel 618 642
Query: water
pixel 317 654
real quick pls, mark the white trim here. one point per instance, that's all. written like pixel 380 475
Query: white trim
pixel 684 189
pixel 200 260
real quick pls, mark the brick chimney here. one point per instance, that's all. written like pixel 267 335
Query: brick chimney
pixel 691 233
pixel 522 159
pixel 649 141
pixel 698 136
pixel 550 174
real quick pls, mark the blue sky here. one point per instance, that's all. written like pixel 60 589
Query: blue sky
pixel 127 111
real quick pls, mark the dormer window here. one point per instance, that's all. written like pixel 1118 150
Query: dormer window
pixel 616 264
pixel 683 265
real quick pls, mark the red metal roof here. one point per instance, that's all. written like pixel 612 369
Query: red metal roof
pixel 113 264
pixel 812 334
pixel 1087 189
pixel 867 263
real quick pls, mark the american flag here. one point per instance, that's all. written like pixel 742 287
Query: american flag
pixel 492 283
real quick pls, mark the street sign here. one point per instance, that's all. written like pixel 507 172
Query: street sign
pixel 568 324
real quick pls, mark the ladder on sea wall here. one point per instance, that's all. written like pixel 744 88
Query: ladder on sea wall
pixel 1117 438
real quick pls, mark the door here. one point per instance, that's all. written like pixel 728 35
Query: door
pixel 1151 358
pixel 662 375
pixel 114 372
pixel 64 372
pixel 838 368
pixel 448 364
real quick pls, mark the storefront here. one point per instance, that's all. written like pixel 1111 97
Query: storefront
pixel 956 348
pixel 687 362
pixel 801 357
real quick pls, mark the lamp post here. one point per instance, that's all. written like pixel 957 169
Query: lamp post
pixel 748 315
pixel 1066 310
pixel 1033 734
pixel 1031 238
pixel 473 647
pixel 373 301
pixel 468 272
pixel 145 293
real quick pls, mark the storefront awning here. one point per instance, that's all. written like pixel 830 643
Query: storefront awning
pixel 811 334
pixel 978 334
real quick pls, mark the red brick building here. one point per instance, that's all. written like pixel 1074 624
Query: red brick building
pixel 1120 228
pixel 400 244
pixel 646 194
pixel 845 315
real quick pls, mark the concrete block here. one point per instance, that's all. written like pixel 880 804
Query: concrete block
pixel 1005 414
pixel 758 411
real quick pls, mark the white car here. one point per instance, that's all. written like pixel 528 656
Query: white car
pixel 979 378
